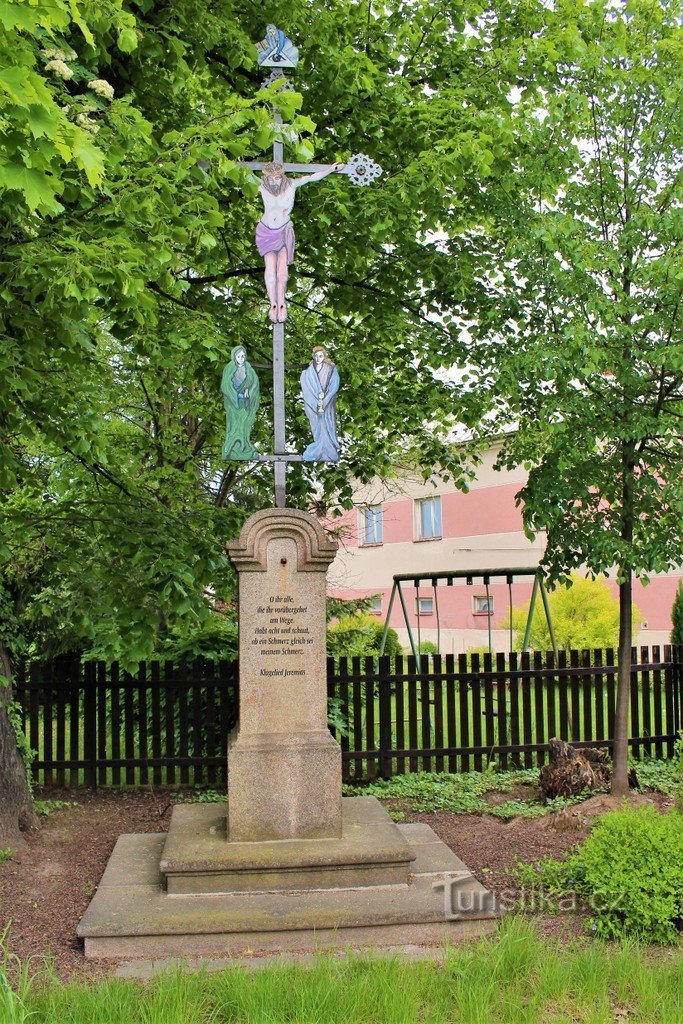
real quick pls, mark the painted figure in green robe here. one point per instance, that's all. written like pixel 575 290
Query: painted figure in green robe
pixel 241 394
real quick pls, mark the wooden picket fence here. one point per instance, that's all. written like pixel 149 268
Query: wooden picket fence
pixel 167 724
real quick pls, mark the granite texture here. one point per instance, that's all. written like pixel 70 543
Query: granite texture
pixel 284 767
pixel 131 917
pixel 197 857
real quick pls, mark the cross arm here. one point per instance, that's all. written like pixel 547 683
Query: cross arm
pixel 360 169
pixel 258 165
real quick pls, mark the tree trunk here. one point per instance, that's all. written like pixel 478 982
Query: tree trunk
pixel 16 806
pixel 620 749
pixel 620 785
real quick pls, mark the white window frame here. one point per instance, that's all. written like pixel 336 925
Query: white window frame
pixel 435 503
pixel 376 606
pixel 377 520
pixel 418 606
pixel 480 599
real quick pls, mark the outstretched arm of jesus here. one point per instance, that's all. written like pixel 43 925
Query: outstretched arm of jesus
pixel 305 179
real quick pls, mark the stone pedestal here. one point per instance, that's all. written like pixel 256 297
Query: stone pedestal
pixel 284 767
pixel 289 865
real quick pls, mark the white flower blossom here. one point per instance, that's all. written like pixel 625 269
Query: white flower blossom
pixel 84 121
pixel 59 68
pixel 56 54
pixel 102 88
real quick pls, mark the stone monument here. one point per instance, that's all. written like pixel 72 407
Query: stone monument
pixel 286 863
pixel 285 767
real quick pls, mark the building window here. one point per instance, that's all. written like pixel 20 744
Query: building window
pixel 376 605
pixel 428 514
pixel 371 524
pixel 425 606
pixel 482 605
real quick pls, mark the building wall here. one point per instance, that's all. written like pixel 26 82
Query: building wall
pixel 481 531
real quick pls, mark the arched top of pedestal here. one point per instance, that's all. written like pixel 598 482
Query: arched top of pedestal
pixel 315 550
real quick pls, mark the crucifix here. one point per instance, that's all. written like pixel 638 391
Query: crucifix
pixel 275 241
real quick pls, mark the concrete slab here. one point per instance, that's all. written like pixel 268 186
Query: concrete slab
pixel 257 944
pixel 145 970
pixel 418 832
pixel 436 858
pixel 197 857
pixel 131 918
pixel 137 861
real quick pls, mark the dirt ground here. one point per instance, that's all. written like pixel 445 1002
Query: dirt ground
pixel 45 889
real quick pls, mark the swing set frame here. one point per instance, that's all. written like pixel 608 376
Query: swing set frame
pixel 469 576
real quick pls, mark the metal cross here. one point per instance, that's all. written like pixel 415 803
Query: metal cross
pixel 277 51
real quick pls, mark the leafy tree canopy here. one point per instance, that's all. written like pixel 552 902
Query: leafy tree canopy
pixel 576 315
pixel 129 273
pixel 575 320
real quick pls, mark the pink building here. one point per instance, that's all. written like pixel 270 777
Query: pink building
pixel 407 526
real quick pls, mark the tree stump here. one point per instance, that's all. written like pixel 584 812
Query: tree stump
pixel 570 771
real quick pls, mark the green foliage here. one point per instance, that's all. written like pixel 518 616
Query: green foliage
pixel 575 326
pixel 659 776
pixel 47 807
pixel 360 634
pixel 588 247
pixel 13 711
pixel 338 606
pixel 129 272
pixel 15 984
pixel 584 615
pixel 514 974
pixel 6 855
pixel 205 796
pixel 677 616
pixel 462 794
pixel 629 871
pixel 214 639
pixel 337 717
pixel 678 791
pixel 427 647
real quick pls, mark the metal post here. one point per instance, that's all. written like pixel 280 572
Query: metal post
pixel 279 413
pixel 279 468
pixel 532 605
pixel 548 616
pixel 386 622
pixel 488 610
pixel 407 621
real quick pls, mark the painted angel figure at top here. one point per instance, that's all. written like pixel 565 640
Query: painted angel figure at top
pixel 275 231
pixel 276 50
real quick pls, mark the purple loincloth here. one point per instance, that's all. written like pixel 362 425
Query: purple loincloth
pixel 274 239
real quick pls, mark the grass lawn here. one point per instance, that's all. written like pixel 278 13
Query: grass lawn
pixel 512 977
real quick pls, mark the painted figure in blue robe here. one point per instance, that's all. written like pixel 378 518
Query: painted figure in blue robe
pixel 277 50
pixel 241 395
pixel 319 387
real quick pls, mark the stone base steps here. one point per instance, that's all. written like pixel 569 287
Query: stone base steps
pixel 132 915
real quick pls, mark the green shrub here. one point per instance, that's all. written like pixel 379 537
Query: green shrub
pixel 427 647
pixel 677 616
pixel 678 763
pixel 214 639
pixel 360 634
pixel 584 614
pixel 629 871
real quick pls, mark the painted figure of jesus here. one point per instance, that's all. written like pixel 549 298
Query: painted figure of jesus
pixel 275 232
